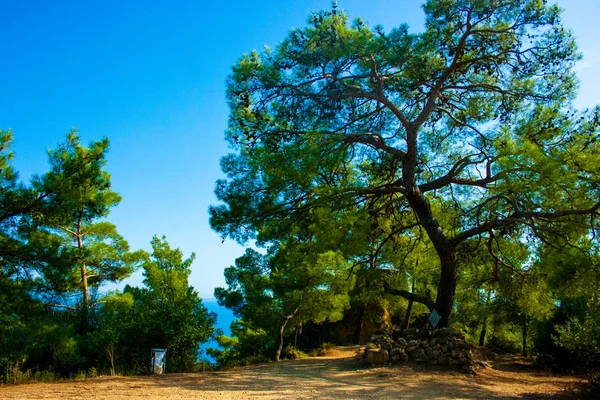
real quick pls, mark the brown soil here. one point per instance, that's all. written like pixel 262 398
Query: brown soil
pixel 340 375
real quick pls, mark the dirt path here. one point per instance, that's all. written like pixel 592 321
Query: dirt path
pixel 337 376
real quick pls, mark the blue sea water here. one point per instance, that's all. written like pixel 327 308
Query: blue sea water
pixel 224 319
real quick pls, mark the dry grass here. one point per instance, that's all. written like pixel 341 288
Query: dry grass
pixel 340 375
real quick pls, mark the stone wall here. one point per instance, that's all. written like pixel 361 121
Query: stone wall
pixel 443 346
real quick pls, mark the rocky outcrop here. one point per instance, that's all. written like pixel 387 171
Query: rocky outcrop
pixel 443 346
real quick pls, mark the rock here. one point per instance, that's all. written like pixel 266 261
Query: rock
pixel 443 361
pixel 455 353
pixel 416 353
pixel 468 369
pixel 394 351
pixel 386 345
pixel 437 346
pixel 411 348
pixel 396 357
pixel 411 332
pixel 463 361
pixel 371 346
pixel 434 354
pixel 378 356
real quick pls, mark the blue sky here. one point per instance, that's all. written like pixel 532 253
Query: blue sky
pixel 150 75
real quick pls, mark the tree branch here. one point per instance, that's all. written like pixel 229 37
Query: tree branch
pixel 376 142
pixel 419 298
pixel 520 217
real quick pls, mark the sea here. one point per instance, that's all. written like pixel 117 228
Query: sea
pixel 224 319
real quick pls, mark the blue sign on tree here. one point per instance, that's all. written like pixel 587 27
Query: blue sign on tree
pixel 434 318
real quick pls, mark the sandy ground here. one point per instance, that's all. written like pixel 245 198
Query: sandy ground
pixel 337 376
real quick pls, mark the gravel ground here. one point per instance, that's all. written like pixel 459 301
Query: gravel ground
pixel 339 375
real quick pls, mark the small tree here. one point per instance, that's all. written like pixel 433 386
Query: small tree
pixel 75 248
pixel 167 312
pixel 114 321
pixel 268 291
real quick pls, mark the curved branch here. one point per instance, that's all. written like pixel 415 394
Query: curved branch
pixel 376 142
pixel 419 298
pixel 520 217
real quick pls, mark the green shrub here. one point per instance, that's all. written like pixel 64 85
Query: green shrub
pixel 292 353
pixel 323 349
pixel 582 340
pixel 13 374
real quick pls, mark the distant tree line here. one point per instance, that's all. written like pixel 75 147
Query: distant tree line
pixel 57 249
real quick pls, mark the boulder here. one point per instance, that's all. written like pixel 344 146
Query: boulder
pixel 386 345
pixel 378 356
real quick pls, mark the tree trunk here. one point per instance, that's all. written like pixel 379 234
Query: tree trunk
pixel 110 354
pixel 281 330
pixel 483 332
pixel 484 325
pixel 525 332
pixel 445 248
pixel 298 332
pixel 84 282
pixel 406 324
pixel 359 326
pixel 86 292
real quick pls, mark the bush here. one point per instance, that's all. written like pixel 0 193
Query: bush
pixel 13 374
pixel 292 353
pixel 582 340
pixel 322 350
pixel 244 362
pixel 505 343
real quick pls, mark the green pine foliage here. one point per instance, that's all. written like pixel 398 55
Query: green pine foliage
pixel 445 170
pixel 57 249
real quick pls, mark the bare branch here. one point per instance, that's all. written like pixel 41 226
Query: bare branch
pixel 376 142
pixel 419 298
pixel 520 217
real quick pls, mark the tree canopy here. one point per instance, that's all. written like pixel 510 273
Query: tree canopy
pixel 458 135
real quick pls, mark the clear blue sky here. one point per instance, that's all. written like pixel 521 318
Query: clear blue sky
pixel 150 75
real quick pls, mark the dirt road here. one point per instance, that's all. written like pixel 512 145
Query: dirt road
pixel 337 376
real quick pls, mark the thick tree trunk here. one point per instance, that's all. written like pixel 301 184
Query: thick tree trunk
pixel 445 249
pixel 281 331
pixel 445 295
